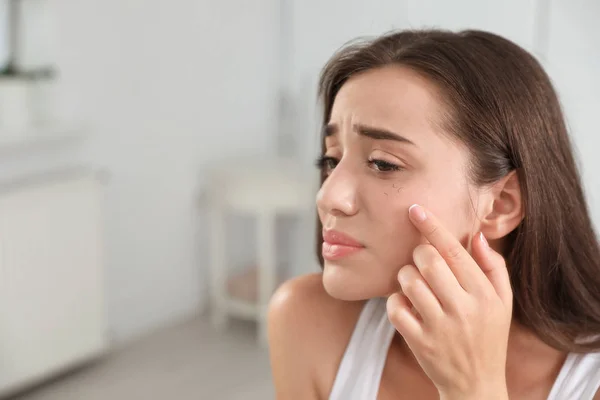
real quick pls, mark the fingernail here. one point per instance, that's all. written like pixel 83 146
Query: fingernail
pixel 483 240
pixel 417 212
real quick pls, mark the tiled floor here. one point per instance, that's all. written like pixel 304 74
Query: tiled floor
pixel 188 361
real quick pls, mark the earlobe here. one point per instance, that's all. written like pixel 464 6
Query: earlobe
pixel 506 208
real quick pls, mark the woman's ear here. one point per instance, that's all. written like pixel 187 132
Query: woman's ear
pixel 506 211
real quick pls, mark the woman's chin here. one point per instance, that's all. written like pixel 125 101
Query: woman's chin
pixel 344 283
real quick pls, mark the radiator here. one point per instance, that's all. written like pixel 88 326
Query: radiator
pixel 51 281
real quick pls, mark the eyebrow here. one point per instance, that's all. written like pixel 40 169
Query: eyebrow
pixel 368 131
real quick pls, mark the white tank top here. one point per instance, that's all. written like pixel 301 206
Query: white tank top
pixel 362 365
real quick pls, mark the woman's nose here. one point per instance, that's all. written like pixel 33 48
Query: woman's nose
pixel 338 194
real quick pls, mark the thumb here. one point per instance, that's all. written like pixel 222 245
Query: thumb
pixel 493 266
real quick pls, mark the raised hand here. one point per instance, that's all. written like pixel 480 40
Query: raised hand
pixel 454 311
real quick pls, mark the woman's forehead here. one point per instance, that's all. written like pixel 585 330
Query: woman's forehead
pixel 394 98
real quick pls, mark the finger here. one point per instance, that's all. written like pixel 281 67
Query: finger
pixel 418 292
pixel 437 274
pixel 404 320
pixel 468 274
pixel 492 264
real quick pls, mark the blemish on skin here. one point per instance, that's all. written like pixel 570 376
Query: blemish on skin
pixel 385 193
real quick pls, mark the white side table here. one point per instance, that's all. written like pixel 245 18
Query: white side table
pixel 262 190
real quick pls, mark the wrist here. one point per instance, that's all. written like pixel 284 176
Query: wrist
pixel 488 392
pixel 477 396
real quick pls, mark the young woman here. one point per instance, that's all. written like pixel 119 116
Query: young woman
pixel 459 260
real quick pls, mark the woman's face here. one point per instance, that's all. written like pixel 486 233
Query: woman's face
pixel 384 152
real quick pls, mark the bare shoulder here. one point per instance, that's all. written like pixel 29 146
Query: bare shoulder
pixel 308 333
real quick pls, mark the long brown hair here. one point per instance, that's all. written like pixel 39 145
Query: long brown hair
pixel 501 104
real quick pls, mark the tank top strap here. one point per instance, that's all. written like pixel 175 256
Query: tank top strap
pixel 579 378
pixel 361 368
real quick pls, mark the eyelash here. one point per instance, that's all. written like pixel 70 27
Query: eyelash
pixel 382 166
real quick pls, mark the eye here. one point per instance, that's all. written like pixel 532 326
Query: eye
pixel 326 164
pixel 383 166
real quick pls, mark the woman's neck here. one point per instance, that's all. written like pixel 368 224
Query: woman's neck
pixel 530 360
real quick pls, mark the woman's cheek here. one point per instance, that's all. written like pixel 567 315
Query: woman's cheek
pixel 399 238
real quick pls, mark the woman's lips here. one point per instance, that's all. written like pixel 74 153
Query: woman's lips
pixel 337 245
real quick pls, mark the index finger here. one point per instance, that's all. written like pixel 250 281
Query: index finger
pixel 464 267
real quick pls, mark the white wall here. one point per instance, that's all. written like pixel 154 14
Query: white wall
pixel 168 88
pixel 574 64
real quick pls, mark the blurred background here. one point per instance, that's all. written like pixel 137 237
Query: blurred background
pixel 156 178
